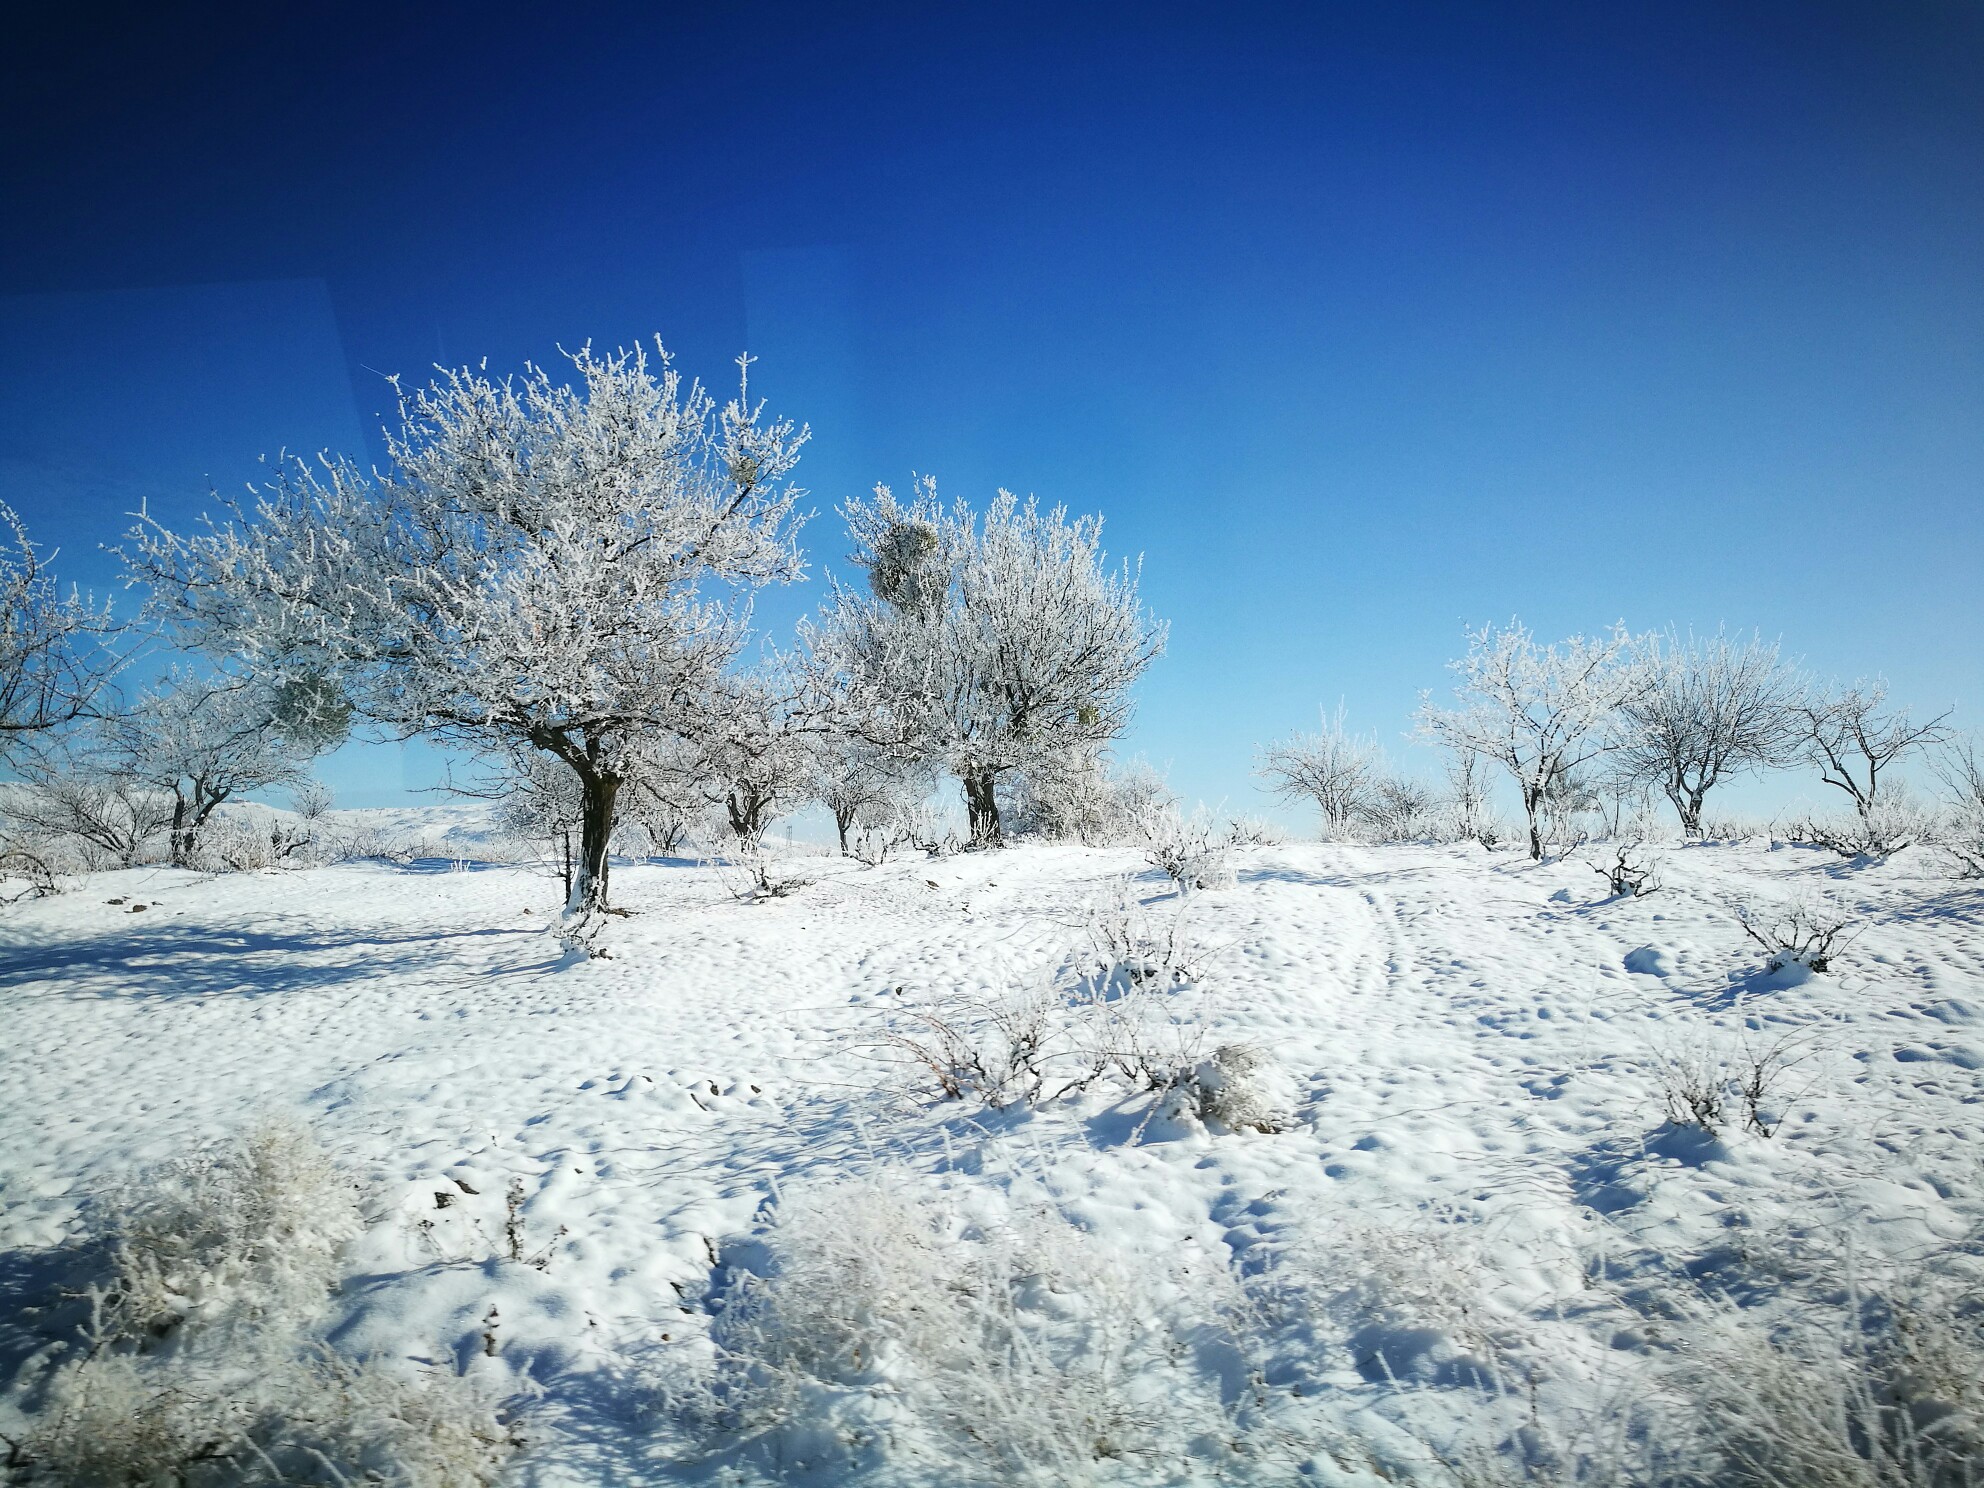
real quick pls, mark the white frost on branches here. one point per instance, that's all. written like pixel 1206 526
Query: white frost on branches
pixel 1538 711
pixel 565 568
pixel 1711 707
pixel 1331 768
pixel 53 656
pixel 982 646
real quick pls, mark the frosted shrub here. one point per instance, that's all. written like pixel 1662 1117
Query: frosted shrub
pixel 246 1230
pixel 1962 833
pixel 198 1372
pixel 1395 809
pixel 316 1418
pixel 1884 827
pixel 1255 831
pixel 1016 1049
pixel 1130 946
pixel 1243 1087
pixel 1009 1348
pixel 1630 873
pixel 1963 840
pixel 1190 851
pixel 29 869
pixel 1862 1393
pixel 1713 1082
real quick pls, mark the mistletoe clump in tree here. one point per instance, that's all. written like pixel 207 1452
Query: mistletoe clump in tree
pixel 985 645
pixel 543 566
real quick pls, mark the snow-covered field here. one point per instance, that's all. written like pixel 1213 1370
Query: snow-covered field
pixel 1476 1230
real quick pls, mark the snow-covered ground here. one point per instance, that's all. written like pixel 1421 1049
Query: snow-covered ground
pixel 1444 1242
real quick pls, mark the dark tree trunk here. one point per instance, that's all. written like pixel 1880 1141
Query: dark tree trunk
pixel 747 813
pixel 982 806
pixel 1532 803
pixel 597 793
pixel 843 819
pixel 1691 814
pixel 182 837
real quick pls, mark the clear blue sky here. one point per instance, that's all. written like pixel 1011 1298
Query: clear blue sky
pixel 1361 323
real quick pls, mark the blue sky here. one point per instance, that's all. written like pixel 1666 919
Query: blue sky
pixel 1361 323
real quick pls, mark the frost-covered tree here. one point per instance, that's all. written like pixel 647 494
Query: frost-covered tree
pixel 1710 708
pixel 54 654
pixel 1850 736
pixel 755 762
pixel 89 804
pixel 982 645
pixel 1467 775
pixel 860 784
pixel 1540 712
pixel 204 740
pixel 560 567
pixel 1332 769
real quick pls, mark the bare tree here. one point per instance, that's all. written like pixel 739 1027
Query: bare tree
pixel 1710 708
pixel 982 646
pixel 1332 768
pixel 1540 712
pixel 54 647
pixel 543 566
pixel 1851 736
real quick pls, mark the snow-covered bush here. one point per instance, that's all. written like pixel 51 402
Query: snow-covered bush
pixel 1255 831
pixel 1130 946
pixel 198 1369
pixel 1854 1391
pixel 1630 873
pixel 262 1419
pixel 1887 824
pixel 1106 1021
pixel 1961 834
pixel 1809 933
pixel 1712 1080
pixel 1018 1048
pixel 1469 806
pixel 1080 798
pixel 1733 828
pixel 1243 1087
pixel 245 1230
pixel 997 1346
pixel 1191 851
pixel 1397 809
pixel 29 869
pixel 82 810
pixel 748 869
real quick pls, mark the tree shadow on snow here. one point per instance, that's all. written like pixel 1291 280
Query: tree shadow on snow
pixel 179 962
